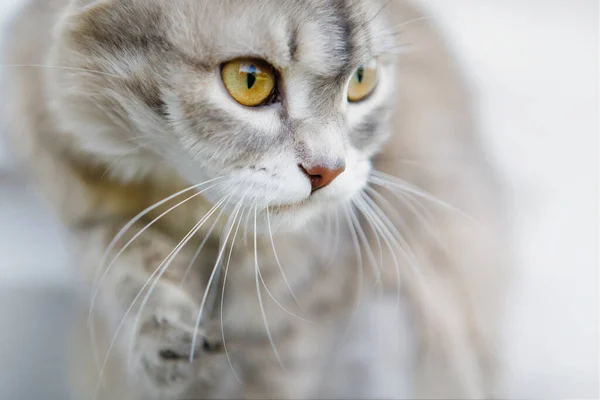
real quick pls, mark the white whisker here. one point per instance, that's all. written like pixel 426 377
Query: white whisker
pixel 246 229
pixel 60 67
pixel 202 244
pixel 135 219
pixel 427 220
pixel 360 277
pixel 121 157
pixel 388 181
pixel 336 239
pixel 412 21
pixel 287 283
pixel 279 304
pixel 164 265
pixel 392 210
pixel 99 278
pixel 370 256
pixel 379 245
pixel 262 308
pixel 160 270
pixel 210 281
pixel 223 292
pixel 137 235
pixel 365 210
pixel 395 235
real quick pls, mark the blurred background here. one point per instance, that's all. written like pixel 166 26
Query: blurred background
pixel 534 66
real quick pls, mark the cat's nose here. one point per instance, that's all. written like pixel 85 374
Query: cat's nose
pixel 321 176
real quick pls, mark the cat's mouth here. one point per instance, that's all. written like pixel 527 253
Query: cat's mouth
pixel 312 202
pixel 283 208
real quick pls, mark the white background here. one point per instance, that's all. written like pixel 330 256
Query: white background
pixel 534 66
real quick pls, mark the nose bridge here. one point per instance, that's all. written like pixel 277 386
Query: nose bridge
pixel 322 143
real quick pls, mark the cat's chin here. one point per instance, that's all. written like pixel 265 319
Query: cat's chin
pixel 296 217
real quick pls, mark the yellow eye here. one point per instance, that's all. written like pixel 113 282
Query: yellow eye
pixel 250 82
pixel 363 82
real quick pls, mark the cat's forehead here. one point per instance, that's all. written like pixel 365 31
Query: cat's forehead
pixel 328 36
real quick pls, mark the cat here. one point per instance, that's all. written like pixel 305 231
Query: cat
pixel 265 199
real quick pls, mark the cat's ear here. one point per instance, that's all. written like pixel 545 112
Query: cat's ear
pixel 112 24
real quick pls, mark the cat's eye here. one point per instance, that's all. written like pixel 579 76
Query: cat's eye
pixel 250 82
pixel 363 81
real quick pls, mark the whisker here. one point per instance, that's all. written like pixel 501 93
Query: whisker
pixel 408 254
pixel 370 256
pixel 210 281
pixel 279 304
pixel 388 181
pixel 246 229
pixel 378 13
pixel 138 217
pixel 121 157
pixel 99 279
pixel 427 220
pixel 60 67
pixel 360 277
pixel 223 293
pixel 435 234
pixel 212 296
pixel 365 210
pixel 202 244
pixel 167 262
pixel 336 239
pixel 395 235
pixel 391 210
pixel 160 270
pixel 126 246
pixel 426 217
pixel 164 265
pixel 287 283
pixel 329 227
pixel 412 21
pixel 379 246
pixel 262 308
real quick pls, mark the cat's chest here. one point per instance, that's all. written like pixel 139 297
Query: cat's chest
pixel 282 283
pixel 355 345
pixel 265 289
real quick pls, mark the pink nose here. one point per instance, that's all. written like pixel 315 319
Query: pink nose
pixel 320 176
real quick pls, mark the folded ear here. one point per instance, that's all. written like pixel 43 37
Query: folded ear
pixel 111 25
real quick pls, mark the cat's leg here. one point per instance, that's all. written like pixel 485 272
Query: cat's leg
pixel 152 345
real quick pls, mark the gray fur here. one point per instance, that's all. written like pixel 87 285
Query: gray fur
pixel 130 109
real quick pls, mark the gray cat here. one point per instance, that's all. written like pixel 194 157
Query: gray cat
pixel 267 198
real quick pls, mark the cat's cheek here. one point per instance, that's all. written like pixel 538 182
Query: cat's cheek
pixel 276 183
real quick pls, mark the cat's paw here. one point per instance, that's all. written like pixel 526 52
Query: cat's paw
pixel 165 340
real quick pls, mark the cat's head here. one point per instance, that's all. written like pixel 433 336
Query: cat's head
pixel 283 102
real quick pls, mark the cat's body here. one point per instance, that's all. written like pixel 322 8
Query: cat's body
pixel 92 125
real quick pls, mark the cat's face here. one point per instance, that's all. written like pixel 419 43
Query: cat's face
pixel 283 101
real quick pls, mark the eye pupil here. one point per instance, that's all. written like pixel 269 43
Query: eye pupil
pixel 251 80
pixel 251 77
pixel 360 74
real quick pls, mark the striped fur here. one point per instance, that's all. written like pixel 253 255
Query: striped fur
pixel 130 109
